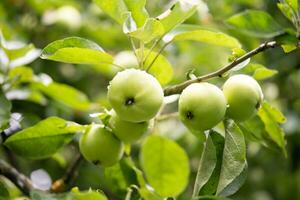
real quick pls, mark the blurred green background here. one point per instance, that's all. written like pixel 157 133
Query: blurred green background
pixel 270 177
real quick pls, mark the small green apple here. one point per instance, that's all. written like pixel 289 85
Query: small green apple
pixel 135 95
pixel 99 146
pixel 244 97
pixel 128 132
pixel 201 106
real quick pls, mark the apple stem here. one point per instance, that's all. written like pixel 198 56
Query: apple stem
pixel 177 89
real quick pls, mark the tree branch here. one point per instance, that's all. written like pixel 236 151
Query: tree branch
pixel 19 179
pixel 177 89
pixel 60 184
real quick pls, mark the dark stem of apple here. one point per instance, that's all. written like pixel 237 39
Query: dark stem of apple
pixel 177 89
pixel 19 179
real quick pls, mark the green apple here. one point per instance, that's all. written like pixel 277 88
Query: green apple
pixel 201 106
pixel 99 146
pixel 244 97
pixel 128 132
pixel 135 95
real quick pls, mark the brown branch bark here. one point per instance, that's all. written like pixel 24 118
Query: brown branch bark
pixel 177 89
pixel 19 179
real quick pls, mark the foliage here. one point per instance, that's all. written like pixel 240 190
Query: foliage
pixel 57 81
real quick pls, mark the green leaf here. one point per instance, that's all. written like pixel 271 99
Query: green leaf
pixel 76 50
pixel 206 166
pixel 264 73
pixel 209 37
pixel 147 194
pixel 210 186
pixel 293 4
pixel 259 72
pixel 165 164
pixel 286 10
pixel 234 157
pixel 152 29
pixel 236 184
pixel 255 23
pixel 121 176
pixel 18 53
pixel 138 11
pixel 287 48
pixel 20 74
pixel 3 191
pixel 87 195
pixel 67 95
pixel 43 139
pixel 5 106
pixel 177 14
pixel 116 9
pixel 271 117
pixel 210 197
pixel 27 94
pixel 161 68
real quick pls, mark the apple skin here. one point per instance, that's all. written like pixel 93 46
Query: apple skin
pixel 201 106
pixel 244 97
pixel 135 95
pixel 99 146
pixel 128 132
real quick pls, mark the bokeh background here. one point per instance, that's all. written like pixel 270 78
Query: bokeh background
pixel 271 176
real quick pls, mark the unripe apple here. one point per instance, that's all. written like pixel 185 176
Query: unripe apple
pixel 128 132
pixel 135 95
pixel 201 106
pixel 99 146
pixel 243 95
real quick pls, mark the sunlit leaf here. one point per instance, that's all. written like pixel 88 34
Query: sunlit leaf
pixel 151 30
pixel 137 8
pixel 259 72
pixel 255 23
pixel 116 9
pixel 113 8
pixel 293 4
pixel 67 95
pixel 76 50
pixel 286 10
pixel 177 14
pixel 161 68
pixel 209 37
pixel 165 165
pixel 43 139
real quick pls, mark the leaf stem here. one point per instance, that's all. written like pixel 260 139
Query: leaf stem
pixel 156 56
pixel 177 89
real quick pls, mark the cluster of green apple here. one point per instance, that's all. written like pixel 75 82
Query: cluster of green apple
pixel 137 96
pixel 203 105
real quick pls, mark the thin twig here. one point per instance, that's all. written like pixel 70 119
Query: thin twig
pixel 19 179
pixel 151 49
pixel 156 56
pixel 70 174
pixel 177 89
